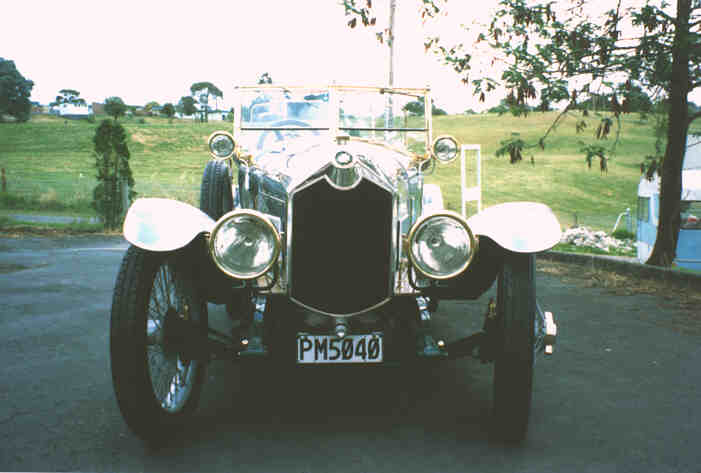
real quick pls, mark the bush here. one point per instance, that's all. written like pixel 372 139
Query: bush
pixel 113 171
pixel 623 234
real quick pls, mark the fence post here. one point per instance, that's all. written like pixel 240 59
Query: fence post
pixel 4 181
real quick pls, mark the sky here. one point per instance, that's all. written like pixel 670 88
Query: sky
pixel 154 50
pixel 144 50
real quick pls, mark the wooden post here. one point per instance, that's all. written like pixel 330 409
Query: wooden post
pixel 4 181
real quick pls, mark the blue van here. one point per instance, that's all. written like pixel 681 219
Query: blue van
pixel 689 244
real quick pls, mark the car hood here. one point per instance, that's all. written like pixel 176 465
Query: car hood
pixel 303 161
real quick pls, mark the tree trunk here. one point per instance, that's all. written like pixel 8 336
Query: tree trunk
pixel 665 248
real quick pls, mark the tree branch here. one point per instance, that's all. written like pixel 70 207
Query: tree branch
pixel 693 117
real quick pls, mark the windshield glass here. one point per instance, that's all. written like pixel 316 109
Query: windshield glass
pixel 275 118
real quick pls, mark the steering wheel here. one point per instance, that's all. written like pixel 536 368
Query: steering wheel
pixel 279 133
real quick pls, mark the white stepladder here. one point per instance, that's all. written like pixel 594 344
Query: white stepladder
pixel 470 193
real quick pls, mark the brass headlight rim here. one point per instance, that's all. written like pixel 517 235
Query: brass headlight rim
pixel 474 244
pixel 434 155
pixel 251 213
pixel 228 135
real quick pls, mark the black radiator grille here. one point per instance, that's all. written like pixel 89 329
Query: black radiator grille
pixel 341 247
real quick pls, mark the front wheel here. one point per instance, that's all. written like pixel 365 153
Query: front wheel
pixel 513 369
pixel 156 316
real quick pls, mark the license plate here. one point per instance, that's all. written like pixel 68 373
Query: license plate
pixel 330 349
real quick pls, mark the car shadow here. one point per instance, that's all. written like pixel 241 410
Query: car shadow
pixel 450 397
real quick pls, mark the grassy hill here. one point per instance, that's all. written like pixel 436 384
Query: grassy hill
pixel 559 176
pixel 49 163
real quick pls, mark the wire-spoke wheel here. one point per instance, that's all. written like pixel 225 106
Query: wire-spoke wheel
pixel 157 322
pixel 513 368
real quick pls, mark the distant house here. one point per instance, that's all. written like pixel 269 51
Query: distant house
pixel 214 115
pixel 218 115
pixel 71 112
pixel 98 108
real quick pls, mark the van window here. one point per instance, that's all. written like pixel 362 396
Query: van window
pixel 644 209
pixel 691 214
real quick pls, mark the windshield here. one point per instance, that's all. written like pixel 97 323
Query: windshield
pixel 275 118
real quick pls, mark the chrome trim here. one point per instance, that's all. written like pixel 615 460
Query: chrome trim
pixel 266 221
pixel 474 243
pixel 545 332
pixel 289 258
pixel 344 177
pixel 445 137
pixel 376 306
pixel 233 145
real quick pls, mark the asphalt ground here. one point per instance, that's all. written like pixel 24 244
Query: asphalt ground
pixel 622 392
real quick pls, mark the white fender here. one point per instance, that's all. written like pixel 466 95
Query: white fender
pixel 164 224
pixel 522 227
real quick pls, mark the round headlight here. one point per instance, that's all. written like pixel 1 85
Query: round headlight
pixel 441 246
pixel 445 149
pixel 221 145
pixel 244 244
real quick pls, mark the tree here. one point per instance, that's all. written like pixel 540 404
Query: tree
pixel 68 97
pixel 558 52
pixel 112 193
pixel 15 90
pixel 168 110
pixel 265 79
pixel 201 91
pixel 417 108
pixel 186 106
pixel 148 108
pixel 115 107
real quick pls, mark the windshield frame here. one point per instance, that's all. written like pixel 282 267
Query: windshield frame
pixel 334 129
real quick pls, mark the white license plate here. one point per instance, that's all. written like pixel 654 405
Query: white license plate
pixel 331 349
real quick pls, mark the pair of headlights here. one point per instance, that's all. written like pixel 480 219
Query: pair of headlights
pixel 245 245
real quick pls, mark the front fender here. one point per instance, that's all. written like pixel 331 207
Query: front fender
pixel 521 227
pixel 164 224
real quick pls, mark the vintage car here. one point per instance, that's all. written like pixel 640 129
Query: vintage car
pixel 317 232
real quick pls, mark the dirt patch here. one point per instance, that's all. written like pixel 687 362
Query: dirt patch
pixel 142 138
pixel 685 299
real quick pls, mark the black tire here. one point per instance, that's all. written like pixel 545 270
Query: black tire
pixel 145 366
pixel 216 195
pixel 513 369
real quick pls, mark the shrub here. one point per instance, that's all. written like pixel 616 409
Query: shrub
pixel 113 171
pixel 623 234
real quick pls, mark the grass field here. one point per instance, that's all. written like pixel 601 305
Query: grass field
pixel 49 164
